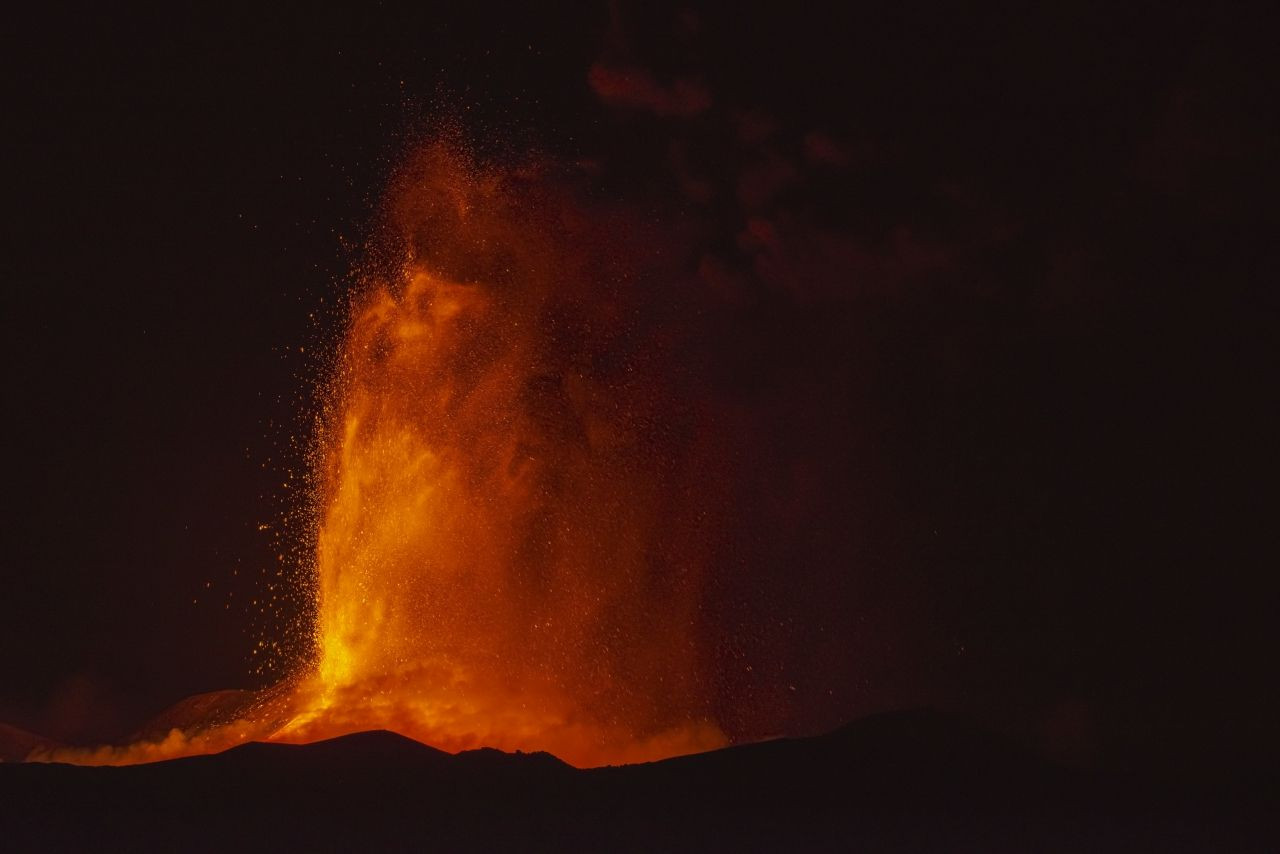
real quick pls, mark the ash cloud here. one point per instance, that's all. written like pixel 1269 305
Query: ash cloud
pixel 955 298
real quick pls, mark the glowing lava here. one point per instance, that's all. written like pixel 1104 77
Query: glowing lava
pixel 512 503
pixel 493 565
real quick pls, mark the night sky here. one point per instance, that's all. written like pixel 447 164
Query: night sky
pixel 1027 256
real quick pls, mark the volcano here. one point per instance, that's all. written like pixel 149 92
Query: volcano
pixel 536 411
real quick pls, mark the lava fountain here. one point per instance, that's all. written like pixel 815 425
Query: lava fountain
pixel 496 563
pixel 514 495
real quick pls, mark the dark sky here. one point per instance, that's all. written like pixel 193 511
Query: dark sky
pixel 1061 215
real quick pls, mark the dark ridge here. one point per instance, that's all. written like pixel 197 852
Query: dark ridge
pixel 488 757
pixel 375 747
pixel 909 781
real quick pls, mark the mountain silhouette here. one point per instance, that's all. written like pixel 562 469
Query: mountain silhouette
pixel 909 781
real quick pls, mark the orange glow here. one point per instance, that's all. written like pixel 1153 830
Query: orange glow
pixel 508 550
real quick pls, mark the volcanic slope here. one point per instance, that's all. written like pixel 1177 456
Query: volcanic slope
pixel 907 781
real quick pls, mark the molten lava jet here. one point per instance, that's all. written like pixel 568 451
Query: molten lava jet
pixel 511 503
pixel 493 564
